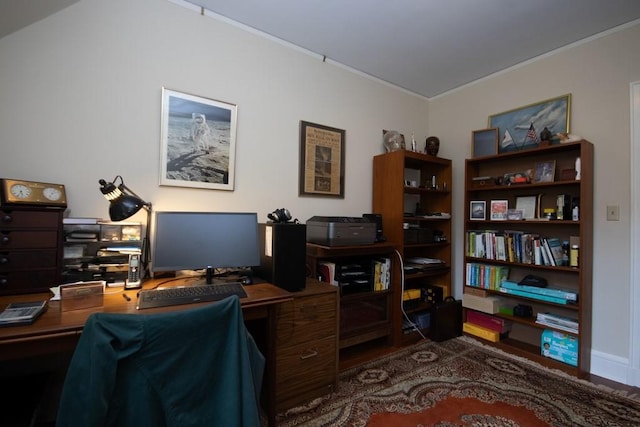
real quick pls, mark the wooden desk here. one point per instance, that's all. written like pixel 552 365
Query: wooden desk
pixel 57 331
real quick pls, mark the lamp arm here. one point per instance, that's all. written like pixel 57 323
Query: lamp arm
pixel 146 243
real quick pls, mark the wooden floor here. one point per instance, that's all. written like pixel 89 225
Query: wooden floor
pixel 354 356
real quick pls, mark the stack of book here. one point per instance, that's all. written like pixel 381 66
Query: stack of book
pixel 555 295
pixel 382 274
pixel 564 323
pixel 486 326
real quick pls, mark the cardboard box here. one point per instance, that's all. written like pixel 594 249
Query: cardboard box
pixel 476 291
pixel 560 346
pixel 489 305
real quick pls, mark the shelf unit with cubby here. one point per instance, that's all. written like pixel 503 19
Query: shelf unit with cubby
pixel 410 189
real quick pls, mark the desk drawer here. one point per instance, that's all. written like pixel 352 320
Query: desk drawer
pixel 19 282
pixel 21 260
pixel 26 239
pixel 306 319
pixel 306 371
pixel 30 219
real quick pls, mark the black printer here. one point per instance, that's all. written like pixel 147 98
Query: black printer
pixel 341 230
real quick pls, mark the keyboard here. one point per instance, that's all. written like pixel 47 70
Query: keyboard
pixel 151 298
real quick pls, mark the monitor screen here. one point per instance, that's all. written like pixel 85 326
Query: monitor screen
pixel 197 240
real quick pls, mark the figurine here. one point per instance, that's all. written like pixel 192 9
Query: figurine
pixel 432 145
pixel 545 136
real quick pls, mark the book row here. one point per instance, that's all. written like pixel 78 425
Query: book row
pixel 485 276
pixel 517 246
pixel 358 275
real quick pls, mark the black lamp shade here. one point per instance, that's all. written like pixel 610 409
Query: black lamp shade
pixel 124 207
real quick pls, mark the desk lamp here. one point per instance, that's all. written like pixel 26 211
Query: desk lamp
pixel 123 204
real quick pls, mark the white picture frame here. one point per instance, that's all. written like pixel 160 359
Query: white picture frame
pixel 528 206
pixel 198 142
pixel 478 210
pixel 499 210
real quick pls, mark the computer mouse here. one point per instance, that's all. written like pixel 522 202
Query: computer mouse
pixel 246 280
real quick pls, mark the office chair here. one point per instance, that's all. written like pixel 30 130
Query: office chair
pixel 193 367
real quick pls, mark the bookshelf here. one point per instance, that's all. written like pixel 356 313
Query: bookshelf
pixel 408 188
pixel 487 261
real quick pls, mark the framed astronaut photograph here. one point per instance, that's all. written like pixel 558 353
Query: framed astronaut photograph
pixel 198 141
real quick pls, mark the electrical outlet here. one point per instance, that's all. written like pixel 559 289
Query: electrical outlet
pixel 613 213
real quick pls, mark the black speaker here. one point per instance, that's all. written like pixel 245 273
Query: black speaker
pixel 283 255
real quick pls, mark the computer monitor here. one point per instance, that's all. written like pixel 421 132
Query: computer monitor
pixel 201 240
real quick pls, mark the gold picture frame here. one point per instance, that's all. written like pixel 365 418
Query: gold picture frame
pixel 520 128
pixel 321 160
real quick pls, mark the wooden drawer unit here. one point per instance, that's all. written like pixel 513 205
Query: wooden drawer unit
pixel 30 249
pixel 307 350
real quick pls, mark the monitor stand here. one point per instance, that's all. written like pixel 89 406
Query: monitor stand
pixel 209 275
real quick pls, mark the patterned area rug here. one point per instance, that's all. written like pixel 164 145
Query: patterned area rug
pixel 462 382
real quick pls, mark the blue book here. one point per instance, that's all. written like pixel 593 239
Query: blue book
pixel 552 292
pixel 532 295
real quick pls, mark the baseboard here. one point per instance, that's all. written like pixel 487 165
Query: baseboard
pixel 613 368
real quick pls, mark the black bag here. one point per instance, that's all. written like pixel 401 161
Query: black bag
pixel 446 320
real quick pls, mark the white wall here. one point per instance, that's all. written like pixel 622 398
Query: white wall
pixel 80 100
pixel 597 74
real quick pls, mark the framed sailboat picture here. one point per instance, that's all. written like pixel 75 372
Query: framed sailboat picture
pixel 520 128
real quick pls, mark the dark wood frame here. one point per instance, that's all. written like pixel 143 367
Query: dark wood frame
pixel 540 166
pixel 321 176
pixel 484 142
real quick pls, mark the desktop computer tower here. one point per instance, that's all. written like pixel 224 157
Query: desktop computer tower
pixel 283 255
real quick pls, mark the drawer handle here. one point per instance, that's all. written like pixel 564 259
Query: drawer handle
pixel 6 218
pixel 4 259
pixel 5 239
pixel 312 353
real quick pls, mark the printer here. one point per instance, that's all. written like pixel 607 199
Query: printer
pixel 341 230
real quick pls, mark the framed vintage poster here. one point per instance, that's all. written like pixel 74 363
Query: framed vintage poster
pixel 321 160
pixel 519 129
pixel 198 142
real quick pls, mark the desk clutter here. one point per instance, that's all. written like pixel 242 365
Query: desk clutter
pixel 99 250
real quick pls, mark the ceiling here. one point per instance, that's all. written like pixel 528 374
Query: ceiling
pixel 427 47
pixel 17 14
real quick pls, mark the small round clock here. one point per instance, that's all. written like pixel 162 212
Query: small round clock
pixel 14 191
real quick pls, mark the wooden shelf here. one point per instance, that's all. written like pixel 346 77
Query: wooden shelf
pixel 527 341
pixel 391 199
